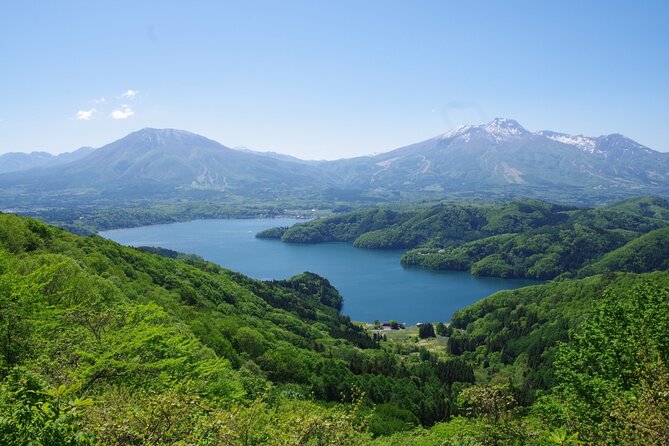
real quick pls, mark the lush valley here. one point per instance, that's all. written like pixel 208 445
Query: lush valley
pixel 526 238
pixel 147 336
pixel 294 223
pixel 111 345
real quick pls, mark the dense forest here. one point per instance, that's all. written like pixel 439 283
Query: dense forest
pixel 521 239
pixel 104 344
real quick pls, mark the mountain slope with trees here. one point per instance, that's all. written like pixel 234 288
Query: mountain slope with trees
pixel 91 319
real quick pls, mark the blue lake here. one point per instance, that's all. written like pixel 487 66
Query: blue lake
pixel 373 283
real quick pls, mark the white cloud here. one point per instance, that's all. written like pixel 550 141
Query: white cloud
pixel 100 100
pixel 123 113
pixel 130 94
pixel 86 115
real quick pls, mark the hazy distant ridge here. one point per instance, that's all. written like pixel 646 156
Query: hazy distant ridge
pixel 17 161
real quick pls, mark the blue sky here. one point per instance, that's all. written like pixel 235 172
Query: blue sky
pixel 328 79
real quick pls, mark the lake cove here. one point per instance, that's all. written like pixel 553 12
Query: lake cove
pixel 373 283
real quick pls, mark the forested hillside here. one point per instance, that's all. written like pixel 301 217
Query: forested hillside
pixel 104 344
pixel 567 363
pixel 522 239
pixel 148 337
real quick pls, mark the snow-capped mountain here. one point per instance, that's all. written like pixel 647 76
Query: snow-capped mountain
pixel 503 155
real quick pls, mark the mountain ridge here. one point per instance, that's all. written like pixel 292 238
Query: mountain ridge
pixel 500 159
pixel 502 152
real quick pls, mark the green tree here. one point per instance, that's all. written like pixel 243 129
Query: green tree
pixel 493 401
pixel 250 341
pixel 41 417
pixel 426 331
pixel 561 437
pixel 442 329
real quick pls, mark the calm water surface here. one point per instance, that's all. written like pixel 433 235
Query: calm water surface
pixel 373 283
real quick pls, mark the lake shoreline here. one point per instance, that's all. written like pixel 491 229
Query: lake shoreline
pixel 373 283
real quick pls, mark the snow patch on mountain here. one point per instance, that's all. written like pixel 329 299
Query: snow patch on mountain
pixel 585 143
pixel 498 129
pixel 458 131
pixel 502 128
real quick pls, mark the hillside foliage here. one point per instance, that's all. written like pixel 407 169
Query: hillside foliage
pixel 108 345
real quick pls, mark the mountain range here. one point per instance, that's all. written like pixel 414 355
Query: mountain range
pixel 497 159
pixel 17 161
